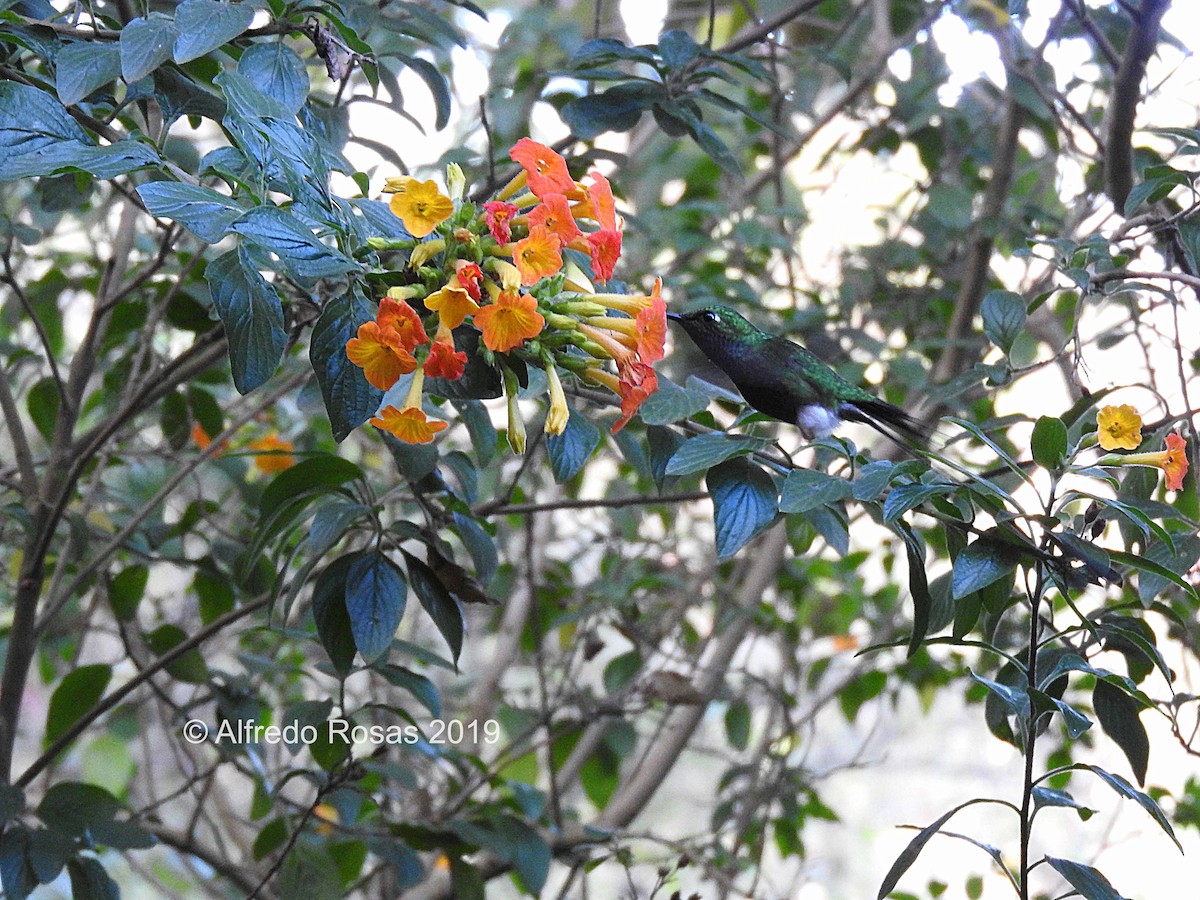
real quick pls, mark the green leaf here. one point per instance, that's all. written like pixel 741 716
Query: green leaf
pixel 1090 883
pixel 981 563
pixel 190 667
pixel 872 479
pixel 1015 698
pixel 417 685
pixel 324 470
pixel 438 86
pixel 376 595
pixel 175 422
pixel 1125 789
pixel 145 45
pixel 619 108
pixel 252 314
pixel 277 72
pixel 12 801
pixel 75 696
pixel 806 489
pixel 1049 442
pixel 89 880
pixel 918 584
pixel 309 873
pixel 677 48
pixel 1044 796
pixel 661 443
pixel 16 871
pixel 480 545
pixel 84 66
pixel 707 450
pixel 349 398
pixel 744 503
pixel 73 808
pixel 1003 318
pixel 283 234
pixel 204 25
pixel 909 855
pixel 570 450
pixel 671 403
pixel 737 724
pixel 445 611
pixel 42 402
pixel 1118 714
pixel 331 617
pixel 202 211
pixel 37 135
pixel 904 497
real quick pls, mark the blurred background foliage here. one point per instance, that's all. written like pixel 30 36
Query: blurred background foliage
pixel 984 211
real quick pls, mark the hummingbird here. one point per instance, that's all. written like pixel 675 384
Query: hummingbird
pixel 786 381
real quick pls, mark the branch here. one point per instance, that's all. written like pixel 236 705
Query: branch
pixel 1127 92
pixel 764 29
pixel 1120 274
pixel 12 419
pixel 498 508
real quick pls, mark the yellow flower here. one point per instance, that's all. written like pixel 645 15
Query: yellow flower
pixel 1119 428
pixel 556 418
pixel 516 425
pixel 421 206
pixel 452 304
pixel 424 252
pixel 274 453
pixel 509 322
pixel 327 817
pixel 398 184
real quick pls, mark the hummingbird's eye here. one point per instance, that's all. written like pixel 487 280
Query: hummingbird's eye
pixel 711 316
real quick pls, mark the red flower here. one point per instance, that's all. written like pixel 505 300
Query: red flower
pixel 603 203
pixel 444 361
pixel 499 217
pixel 605 247
pixel 403 318
pixel 470 276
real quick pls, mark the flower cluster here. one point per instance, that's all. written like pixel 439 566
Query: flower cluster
pixel 505 281
pixel 1120 428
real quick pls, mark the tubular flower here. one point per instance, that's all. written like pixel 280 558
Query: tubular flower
pixel 452 304
pixel 409 424
pixel 509 322
pixel 605 247
pixel 538 256
pixel 443 360
pixel 401 317
pixel 559 413
pixel 499 216
pixel 274 453
pixel 425 251
pixel 1173 461
pixel 200 437
pixel 422 207
pixel 516 425
pixel 546 171
pixel 636 380
pixel 398 184
pixel 470 277
pixel 1119 428
pixel 381 354
pixel 555 214
pixel 604 205
pixel 651 325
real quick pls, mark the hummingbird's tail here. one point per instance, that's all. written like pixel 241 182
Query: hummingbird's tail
pixel 890 421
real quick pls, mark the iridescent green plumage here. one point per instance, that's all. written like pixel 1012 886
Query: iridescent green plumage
pixel 786 381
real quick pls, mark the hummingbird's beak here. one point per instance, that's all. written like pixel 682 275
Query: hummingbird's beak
pixel 675 316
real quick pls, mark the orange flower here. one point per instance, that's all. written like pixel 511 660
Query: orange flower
pixel 555 214
pixel 200 437
pixel 1119 428
pixel 1173 461
pixel 275 454
pixel 444 361
pixel 499 216
pixel 452 304
pixel 637 380
pixel 603 203
pixel 381 354
pixel 421 206
pixel 509 322
pixel 545 170
pixel 605 247
pixel 538 256
pixel 651 325
pixel 470 278
pixel 409 424
pixel 401 317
